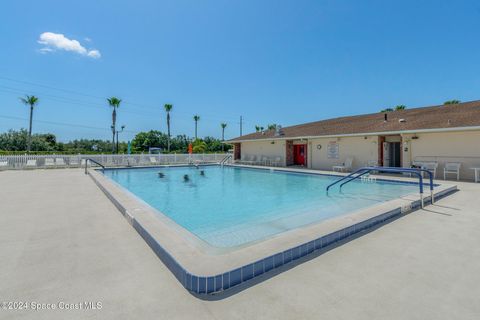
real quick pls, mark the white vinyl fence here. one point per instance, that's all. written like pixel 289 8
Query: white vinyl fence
pixel 108 160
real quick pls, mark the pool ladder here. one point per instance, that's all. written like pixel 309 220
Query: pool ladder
pixel 96 162
pixel 224 160
pixel 362 172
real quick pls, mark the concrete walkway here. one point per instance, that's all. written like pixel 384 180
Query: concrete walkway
pixel 61 240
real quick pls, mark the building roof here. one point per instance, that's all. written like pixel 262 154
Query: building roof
pixel 440 117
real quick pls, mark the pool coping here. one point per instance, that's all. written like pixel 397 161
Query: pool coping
pixel 204 271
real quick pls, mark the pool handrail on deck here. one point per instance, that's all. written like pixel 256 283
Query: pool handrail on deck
pixel 224 160
pixel 96 162
pixel 364 170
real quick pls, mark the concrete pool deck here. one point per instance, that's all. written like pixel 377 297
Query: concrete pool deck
pixel 62 240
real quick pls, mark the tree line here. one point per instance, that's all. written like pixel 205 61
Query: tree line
pixel 16 142
pixel 403 107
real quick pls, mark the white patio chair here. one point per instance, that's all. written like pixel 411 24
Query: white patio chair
pixel 3 164
pixel 31 164
pixel 153 160
pixel 345 167
pixel 432 167
pixel 277 161
pixel 242 159
pixel 60 162
pixel 265 161
pixel 74 162
pixel 452 168
pixel 250 160
pixel 49 162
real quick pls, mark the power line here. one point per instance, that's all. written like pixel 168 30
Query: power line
pixel 97 97
pixel 70 101
pixel 82 103
pixel 63 124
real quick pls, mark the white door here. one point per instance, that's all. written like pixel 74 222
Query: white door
pixel 386 154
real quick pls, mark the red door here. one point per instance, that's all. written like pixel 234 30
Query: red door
pixel 299 154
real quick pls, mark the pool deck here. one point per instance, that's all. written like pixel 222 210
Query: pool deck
pixel 61 239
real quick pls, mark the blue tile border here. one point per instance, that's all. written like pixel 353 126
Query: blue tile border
pixel 202 285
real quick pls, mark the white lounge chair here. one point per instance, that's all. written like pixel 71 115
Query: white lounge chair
pixel 277 161
pixel 431 166
pixel 242 159
pixel 250 160
pixel 153 160
pixel 59 162
pixel 31 164
pixel 345 167
pixel 49 162
pixel 3 164
pixel 452 168
pixel 265 161
pixel 74 162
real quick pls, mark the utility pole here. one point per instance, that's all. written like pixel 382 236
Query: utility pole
pixel 123 127
pixel 241 125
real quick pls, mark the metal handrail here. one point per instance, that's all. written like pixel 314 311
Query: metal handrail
pixel 91 160
pixel 344 178
pixel 362 171
pixel 225 159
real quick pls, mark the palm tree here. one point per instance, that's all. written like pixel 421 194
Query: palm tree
pixel 272 126
pixel 114 102
pixel 386 110
pixel 223 125
pixel 451 102
pixel 396 108
pixel 168 108
pixel 32 102
pixel 196 118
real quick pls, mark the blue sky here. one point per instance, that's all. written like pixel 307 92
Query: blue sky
pixel 285 62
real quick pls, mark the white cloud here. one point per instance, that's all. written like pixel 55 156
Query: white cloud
pixel 94 54
pixel 45 50
pixel 57 41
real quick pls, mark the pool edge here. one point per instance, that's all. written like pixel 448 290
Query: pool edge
pixel 216 284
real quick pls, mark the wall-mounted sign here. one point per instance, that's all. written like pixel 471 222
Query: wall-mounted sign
pixel 332 150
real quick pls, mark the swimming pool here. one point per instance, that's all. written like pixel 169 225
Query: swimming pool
pixel 228 207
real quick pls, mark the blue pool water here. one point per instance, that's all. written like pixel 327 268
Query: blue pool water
pixel 229 206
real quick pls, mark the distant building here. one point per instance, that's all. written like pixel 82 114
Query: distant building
pixel 446 133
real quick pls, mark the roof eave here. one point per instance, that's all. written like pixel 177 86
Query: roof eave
pixel 379 133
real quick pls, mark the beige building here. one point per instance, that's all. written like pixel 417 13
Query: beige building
pixel 435 135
